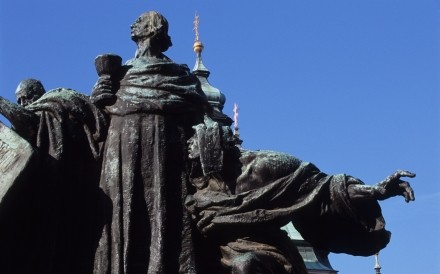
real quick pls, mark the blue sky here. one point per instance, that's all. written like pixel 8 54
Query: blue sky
pixel 352 86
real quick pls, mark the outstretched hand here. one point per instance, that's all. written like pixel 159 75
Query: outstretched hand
pixel 394 186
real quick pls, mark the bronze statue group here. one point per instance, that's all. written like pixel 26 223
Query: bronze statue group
pixel 140 177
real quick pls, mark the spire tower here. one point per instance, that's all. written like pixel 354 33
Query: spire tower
pixel 215 97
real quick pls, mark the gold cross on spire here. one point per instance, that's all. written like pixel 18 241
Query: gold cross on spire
pixel 196 26
pixel 235 118
pixel 198 46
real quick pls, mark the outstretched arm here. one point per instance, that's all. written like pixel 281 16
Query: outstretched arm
pixel 390 187
pixel 24 121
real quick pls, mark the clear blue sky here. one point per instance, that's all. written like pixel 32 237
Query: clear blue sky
pixel 352 86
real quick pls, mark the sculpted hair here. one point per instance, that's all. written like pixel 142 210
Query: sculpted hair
pixel 33 86
pixel 158 27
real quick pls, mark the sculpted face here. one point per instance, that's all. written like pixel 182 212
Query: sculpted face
pixel 193 148
pixel 140 28
pixel 29 91
pixel 154 27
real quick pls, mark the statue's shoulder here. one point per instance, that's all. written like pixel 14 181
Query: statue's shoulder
pixel 61 99
pixel 269 161
pixel 154 64
pixel 268 155
pixel 62 94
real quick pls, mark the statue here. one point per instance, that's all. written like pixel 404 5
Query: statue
pixel 143 176
pixel 244 197
pixel 66 132
pixel 144 173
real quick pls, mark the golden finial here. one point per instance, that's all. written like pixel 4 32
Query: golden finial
pixel 198 46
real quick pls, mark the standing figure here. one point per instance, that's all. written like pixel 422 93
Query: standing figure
pixel 153 104
pixel 46 221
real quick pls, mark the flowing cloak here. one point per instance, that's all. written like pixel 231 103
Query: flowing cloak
pixel 146 229
pixel 273 189
pixel 68 121
pixel 46 222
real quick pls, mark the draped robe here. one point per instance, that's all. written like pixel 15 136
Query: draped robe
pixel 244 197
pixel 47 224
pixel 144 177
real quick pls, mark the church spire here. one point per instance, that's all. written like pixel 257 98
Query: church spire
pixel 215 98
pixel 199 67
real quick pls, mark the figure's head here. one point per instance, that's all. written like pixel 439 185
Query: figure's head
pixel 209 143
pixel 29 91
pixel 210 135
pixel 193 148
pixel 152 25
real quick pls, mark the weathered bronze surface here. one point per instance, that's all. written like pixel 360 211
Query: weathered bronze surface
pixel 243 197
pixel 145 176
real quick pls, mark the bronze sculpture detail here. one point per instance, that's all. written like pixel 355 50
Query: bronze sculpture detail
pixel 141 177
